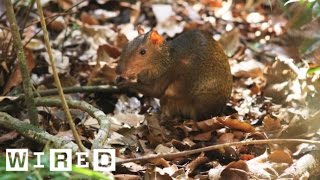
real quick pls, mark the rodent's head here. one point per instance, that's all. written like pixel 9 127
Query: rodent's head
pixel 144 59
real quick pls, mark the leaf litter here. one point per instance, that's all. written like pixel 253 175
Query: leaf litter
pixel 273 95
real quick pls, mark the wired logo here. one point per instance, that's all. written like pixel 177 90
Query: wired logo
pixel 61 159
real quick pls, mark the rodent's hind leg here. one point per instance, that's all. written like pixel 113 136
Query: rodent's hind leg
pixel 207 106
pixel 167 112
pixel 172 108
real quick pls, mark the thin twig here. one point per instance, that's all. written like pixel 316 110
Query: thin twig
pixel 218 146
pixel 82 89
pixel 49 17
pixel 27 14
pixel 106 89
pixel 57 80
pixel 27 87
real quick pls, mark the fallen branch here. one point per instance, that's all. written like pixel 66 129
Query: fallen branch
pixel 82 89
pixel 305 166
pixel 34 133
pixel 102 118
pixel 107 89
pixel 218 146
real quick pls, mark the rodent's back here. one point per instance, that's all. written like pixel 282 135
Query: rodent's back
pixel 203 72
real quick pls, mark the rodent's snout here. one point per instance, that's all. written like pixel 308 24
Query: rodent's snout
pixel 125 76
pixel 120 79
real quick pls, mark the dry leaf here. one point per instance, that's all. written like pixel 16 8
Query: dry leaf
pixel 15 77
pixel 280 156
pixel 126 177
pixel 250 68
pixel 102 76
pixel 88 19
pixel 206 136
pixel 246 157
pixel 110 50
pixel 61 61
pixel 9 136
pixel 212 3
pixel 160 162
pixel 181 145
pixel 157 134
pixel 154 174
pixel 121 40
pixel 66 4
pixel 226 138
pixel 236 124
pixel 209 125
pixel 235 170
pixel 271 124
pixel 230 41
pixel 133 167
pixel 67 135
pixel 201 159
pixel 58 24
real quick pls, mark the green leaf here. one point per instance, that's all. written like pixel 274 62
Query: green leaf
pixel 314 70
pixel 90 173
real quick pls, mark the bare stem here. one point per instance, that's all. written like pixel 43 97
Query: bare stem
pixel 57 80
pixel 27 87
pixel 218 146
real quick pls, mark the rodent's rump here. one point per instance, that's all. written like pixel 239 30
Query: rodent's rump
pixel 190 74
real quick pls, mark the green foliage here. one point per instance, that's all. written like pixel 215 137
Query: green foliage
pixel 314 70
pixel 75 26
pixel 89 173
pixel 304 16
pixel 301 12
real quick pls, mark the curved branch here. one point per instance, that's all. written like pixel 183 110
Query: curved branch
pixel 102 118
pixel 34 133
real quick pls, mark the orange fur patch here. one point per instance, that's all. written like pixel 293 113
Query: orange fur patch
pixel 156 38
pixel 171 90
pixel 185 61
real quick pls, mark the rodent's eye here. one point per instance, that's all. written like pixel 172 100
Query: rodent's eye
pixel 142 51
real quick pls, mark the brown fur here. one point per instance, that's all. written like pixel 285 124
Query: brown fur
pixel 190 74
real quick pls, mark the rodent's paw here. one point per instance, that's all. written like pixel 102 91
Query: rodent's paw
pixel 133 79
pixel 122 81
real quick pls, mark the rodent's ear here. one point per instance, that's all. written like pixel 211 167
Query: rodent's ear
pixel 156 38
pixel 140 30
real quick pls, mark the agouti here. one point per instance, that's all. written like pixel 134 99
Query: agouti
pixel 190 74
